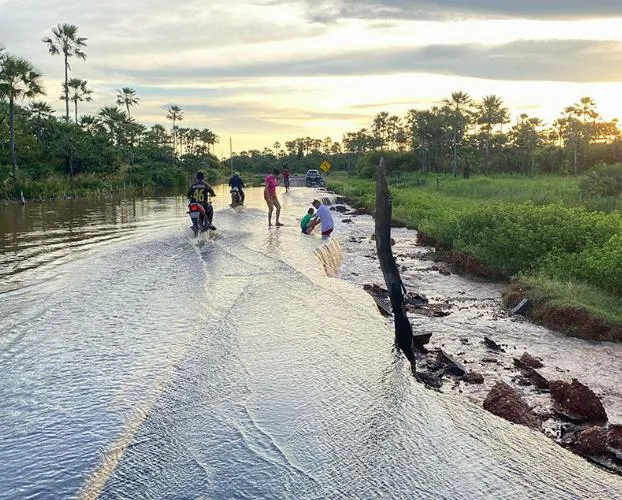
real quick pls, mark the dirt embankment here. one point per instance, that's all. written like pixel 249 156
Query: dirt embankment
pixel 568 412
pixel 572 321
pixel 457 355
pixel 569 320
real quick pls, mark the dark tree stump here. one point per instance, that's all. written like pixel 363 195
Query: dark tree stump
pixel 403 328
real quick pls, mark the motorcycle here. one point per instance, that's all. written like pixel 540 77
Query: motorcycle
pixel 198 217
pixel 236 198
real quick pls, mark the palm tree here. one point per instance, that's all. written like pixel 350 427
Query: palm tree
pixel 210 138
pixel 394 124
pixel 174 113
pixel 65 41
pixel 114 118
pixel 459 106
pixel 491 113
pixel 18 80
pixel 40 112
pixel 79 92
pixel 182 136
pixel 586 109
pixel 157 136
pixel 526 137
pixel 91 124
pixel 127 97
pixel 379 129
pixel 559 129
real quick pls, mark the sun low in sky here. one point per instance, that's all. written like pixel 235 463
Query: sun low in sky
pixel 271 70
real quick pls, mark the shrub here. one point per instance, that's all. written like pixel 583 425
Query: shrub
pixel 604 181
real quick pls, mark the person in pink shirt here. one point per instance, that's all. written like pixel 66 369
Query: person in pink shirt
pixel 269 195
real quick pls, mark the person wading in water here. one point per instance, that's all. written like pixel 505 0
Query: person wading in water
pixel 269 195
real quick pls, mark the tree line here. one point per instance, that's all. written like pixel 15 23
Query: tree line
pixel 34 138
pixel 468 136
pixel 460 134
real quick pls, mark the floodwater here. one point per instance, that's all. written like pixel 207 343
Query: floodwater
pixel 475 311
pixel 139 362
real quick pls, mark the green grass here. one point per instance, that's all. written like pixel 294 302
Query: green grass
pixel 540 190
pixel 537 227
pixel 129 178
pixel 575 294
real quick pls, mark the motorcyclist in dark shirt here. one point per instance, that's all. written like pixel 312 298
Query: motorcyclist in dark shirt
pixel 237 182
pixel 199 192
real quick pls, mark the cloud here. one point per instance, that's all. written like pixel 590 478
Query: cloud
pixel 532 60
pixel 331 10
pixel 284 66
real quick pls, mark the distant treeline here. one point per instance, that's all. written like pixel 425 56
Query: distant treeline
pixel 460 136
pixel 42 154
pixel 464 137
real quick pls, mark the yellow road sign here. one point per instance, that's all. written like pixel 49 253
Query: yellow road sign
pixel 326 166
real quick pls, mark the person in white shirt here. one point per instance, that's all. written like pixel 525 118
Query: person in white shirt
pixel 323 216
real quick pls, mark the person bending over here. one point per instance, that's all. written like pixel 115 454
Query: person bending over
pixel 322 216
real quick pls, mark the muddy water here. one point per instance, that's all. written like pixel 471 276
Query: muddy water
pixel 475 310
pixel 138 361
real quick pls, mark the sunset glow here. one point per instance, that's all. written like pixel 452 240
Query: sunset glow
pixel 261 72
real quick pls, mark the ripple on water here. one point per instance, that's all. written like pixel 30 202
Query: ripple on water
pixel 234 367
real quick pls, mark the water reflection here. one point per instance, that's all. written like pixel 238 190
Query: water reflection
pixel 139 361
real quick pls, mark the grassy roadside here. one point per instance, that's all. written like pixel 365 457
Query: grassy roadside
pixel 539 234
pixel 132 179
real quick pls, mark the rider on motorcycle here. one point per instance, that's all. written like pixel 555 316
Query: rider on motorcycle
pixel 199 193
pixel 237 182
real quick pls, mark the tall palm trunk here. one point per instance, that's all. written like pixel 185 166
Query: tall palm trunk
pixel 174 138
pixel 488 140
pixel 75 103
pixel 12 136
pixel 455 166
pixel 66 90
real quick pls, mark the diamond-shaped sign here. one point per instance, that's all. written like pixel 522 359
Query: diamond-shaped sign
pixel 326 166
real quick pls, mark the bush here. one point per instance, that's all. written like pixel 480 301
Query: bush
pixel 513 238
pixel 604 181
pixel 156 176
pixel 395 162
pixel 600 265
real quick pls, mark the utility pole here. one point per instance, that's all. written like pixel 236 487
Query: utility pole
pixel 231 155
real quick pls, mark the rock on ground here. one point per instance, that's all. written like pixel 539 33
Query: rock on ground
pixel 577 401
pixel 473 378
pixel 592 441
pixel 530 361
pixel 504 401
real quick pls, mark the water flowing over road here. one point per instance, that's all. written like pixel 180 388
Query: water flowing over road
pixel 139 362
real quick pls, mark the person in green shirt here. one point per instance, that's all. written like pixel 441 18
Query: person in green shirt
pixel 304 222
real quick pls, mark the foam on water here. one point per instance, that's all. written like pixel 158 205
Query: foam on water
pixel 160 366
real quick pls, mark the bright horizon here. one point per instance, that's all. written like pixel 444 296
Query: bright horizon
pixel 265 71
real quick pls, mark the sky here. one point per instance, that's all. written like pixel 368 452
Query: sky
pixel 263 71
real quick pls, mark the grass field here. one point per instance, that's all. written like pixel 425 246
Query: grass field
pixel 541 230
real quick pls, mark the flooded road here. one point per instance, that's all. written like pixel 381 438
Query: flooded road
pixel 139 362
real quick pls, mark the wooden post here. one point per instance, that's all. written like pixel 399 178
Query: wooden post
pixel 403 329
